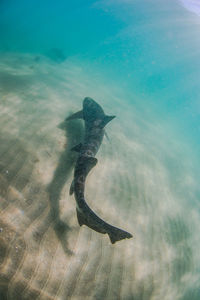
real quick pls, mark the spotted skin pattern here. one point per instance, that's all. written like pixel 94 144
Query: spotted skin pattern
pixel 95 121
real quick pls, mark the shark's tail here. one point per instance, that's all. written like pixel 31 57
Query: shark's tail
pixel 116 234
pixel 94 222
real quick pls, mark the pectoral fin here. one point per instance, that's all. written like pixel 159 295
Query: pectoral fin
pixel 77 115
pixel 106 120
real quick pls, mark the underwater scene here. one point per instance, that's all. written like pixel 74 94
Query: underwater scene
pixel 99 149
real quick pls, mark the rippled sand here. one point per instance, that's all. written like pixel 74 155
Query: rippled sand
pixel 142 183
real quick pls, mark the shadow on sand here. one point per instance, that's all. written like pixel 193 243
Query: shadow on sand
pixel 74 133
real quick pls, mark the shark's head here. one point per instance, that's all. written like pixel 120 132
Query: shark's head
pixel 91 109
pixel 90 105
pixel 87 102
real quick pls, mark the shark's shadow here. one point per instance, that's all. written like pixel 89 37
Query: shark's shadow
pixel 74 133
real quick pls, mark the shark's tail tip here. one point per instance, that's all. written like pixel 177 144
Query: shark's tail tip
pixel 118 235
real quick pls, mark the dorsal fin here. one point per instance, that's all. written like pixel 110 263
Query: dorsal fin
pixel 77 115
pixel 106 120
pixel 77 148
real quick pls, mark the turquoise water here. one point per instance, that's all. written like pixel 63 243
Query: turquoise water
pixel 140 60
pixel 148 48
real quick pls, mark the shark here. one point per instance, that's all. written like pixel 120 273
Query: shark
pixel 95 121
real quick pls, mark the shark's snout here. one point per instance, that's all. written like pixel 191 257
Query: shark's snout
pixel 88 101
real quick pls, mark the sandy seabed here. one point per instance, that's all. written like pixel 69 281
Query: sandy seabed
pixel 138 185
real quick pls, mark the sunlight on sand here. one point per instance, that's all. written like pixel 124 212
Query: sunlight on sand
pixel 140 183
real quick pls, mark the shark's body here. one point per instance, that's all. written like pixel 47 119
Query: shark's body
pixel 95 121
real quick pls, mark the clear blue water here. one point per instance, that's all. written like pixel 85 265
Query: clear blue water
pixel 146 53
pixel 149 48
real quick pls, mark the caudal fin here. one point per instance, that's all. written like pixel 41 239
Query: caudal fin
pixel 116 234
pixel 97 224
